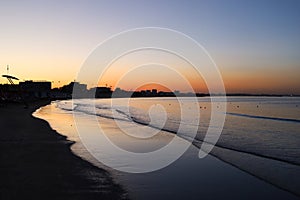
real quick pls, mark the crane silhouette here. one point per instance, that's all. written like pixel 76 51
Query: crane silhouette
pixel 10 78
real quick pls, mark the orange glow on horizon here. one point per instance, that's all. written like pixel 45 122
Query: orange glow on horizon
pixel 156 86
pixel 240 80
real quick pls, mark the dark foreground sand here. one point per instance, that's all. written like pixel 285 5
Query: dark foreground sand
pixel 37 163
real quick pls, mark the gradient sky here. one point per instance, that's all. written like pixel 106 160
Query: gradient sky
pixel 256 44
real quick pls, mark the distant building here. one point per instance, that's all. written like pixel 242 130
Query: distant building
pixel 148 92
pixel 9 88
pixel 67 90
pixel 101 92
pixel 154 92
pixel 37 89
pixel 166 94
pixel 177 92
pixel 121 93
pixel 9 92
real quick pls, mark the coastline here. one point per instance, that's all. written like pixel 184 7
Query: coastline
pixel 37 162
pixel 212 176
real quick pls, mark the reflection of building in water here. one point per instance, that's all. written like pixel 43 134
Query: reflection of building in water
pixel 37 89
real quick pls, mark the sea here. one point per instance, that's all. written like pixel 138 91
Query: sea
pixel 151 146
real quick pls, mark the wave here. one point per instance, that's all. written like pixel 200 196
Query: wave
pixel 264 117
pixel 239 155
pixel 139 117
pixel 197 143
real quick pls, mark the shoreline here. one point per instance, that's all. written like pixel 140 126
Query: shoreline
pixel 217 172
pixel 132 183
pixel 37 162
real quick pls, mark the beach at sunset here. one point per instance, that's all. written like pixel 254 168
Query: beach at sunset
pixel 142 100
pixel 39 163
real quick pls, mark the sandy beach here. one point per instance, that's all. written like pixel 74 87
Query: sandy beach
pixel 37 163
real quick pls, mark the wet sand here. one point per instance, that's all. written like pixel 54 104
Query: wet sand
pixel 37 163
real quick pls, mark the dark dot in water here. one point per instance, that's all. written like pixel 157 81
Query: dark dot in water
pixel 169 104
pixel 204 107
pixel 217 106
pixel 237 106
pixel 257 106
pixel 296 105
pixel 200 107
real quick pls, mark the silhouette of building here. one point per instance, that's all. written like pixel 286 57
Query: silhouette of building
pixel 37 89
pixel 101 92
pixel 67 90
pixel 154 92
pixel 121 93
pixel 9 92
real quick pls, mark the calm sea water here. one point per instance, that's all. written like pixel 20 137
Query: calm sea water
pixel 261 135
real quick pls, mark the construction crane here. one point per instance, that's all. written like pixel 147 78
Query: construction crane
pixel 11 81
pixel 10 78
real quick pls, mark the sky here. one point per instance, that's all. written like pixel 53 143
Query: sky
pixel 255 44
